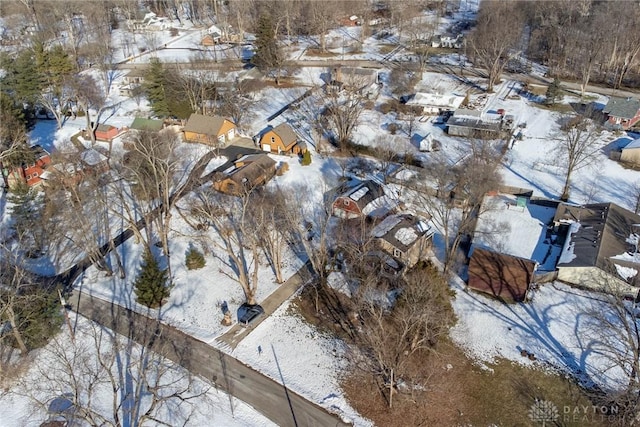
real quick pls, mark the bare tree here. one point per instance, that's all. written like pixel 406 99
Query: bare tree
pixel 157 176
pixel 453 194
pixel 235 234
pixel 104 379
pixel 496 37
pixel 87 96
pixel 342 111
pixel 266 213
pixel 389 338
pixel 577 147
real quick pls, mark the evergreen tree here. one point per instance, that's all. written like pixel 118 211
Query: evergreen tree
pixel 268 56
pixel 554 94
pixel 155 86
pixel 151 285
pixel 306 158
pixel 194 259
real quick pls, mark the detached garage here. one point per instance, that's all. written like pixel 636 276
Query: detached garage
pixel 210 130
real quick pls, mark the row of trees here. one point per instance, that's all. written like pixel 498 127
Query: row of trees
pixel 583 40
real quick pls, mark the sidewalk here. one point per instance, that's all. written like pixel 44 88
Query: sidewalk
pixel 237 332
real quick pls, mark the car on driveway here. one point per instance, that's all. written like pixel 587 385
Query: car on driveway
pixel 248 313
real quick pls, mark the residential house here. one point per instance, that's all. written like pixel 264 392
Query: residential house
pixel 435 104
pixel 106 132
pixel 631 153
pixel 622 113
pixel 506 277
pixel 247 173
pixel 281 139
pixel 403 236
pixel 473 123
pixel 131 80
pixel 29 174
pixel 211 130
pixel 600 251
pixel 358 201
pixel 93 162
pixel 353 78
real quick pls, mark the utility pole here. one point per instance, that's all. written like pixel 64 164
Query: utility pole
pixel 63 303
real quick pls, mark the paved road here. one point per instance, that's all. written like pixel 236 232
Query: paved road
pixel 276 402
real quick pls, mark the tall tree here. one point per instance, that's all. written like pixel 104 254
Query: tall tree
pixel 155 85
pixel 577 147
pixel 268 56
pixel 496 37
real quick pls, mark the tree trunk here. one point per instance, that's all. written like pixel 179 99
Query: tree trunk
pixel 16 332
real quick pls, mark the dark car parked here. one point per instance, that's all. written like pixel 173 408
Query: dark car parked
pixel 248 313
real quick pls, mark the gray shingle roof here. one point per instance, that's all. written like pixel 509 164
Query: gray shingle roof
pixel 285 133
pixel 625 108
pixel 207 125
pixel 604 228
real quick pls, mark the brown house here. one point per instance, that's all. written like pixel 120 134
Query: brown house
pixel 93 162
pixel 210 130
pixel 353 203
pixel 247 173
pixel 405 237
pixel 504 276
pixel 281 139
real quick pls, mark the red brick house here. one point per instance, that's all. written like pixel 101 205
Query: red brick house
pixel 622 113
pixel 29 174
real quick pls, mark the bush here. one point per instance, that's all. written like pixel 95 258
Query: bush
pixel 194 259
pixel 174 32
pixel 392 128
pixel 306 158
pixel 151 284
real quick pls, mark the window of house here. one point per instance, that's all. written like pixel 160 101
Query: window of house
pixel 397 253
pixel 346 202
pixel 273 139
pixel 35 175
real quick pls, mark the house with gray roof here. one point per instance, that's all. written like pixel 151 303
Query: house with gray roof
pixel 358 201
pixel 473 123
pixel 622 113
pixel 600 251
pixel 405 237
pixel 210 130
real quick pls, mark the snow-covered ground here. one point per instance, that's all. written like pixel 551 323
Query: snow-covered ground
pixel 551 326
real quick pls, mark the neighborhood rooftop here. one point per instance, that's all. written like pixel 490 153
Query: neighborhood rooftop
pixel 626 108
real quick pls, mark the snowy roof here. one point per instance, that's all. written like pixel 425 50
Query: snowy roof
pixel 402 230
pixel 92 157
pixel 359 193
pixel 633 144
pixel 436 100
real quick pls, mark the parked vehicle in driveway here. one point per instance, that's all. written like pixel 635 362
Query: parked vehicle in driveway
pixel 248 313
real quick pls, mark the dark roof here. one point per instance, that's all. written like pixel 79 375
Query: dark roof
pixel 286 133
pixel 255 166
pixel 603 233
pixel 474 123
pixel 625 108
pixel 504 276
pixel 364 193
pixel 401 231
pixel 137 72
pixel 206 125
pixel 140 123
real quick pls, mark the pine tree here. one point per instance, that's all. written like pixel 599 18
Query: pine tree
pixel 268 56
pixel 151 286
pixel 554 94
pixel 194 259
pixel 155 86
